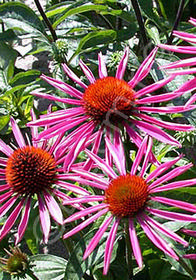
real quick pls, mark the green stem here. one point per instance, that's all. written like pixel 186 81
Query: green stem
pixel 177 20
pixel 140 21
pixel 128 252
pixel 32 275
pixel 46 20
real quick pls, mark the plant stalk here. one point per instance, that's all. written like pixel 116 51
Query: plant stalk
pixel 32 275
pixel 177 20
pixel 128 252
pixel 46 20
pixel 140 21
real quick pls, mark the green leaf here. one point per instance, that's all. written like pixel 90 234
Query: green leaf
pixel 8 35
pixel 4 120
pixel 48 267
pixel 19 16
pixel 23 78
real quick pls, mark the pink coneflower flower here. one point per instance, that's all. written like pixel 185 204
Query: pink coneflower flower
pixel 110 102
pixel 129 197
pixel 190 38
pixel 29 171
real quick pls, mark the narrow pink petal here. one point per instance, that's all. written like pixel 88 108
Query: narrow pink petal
pixel 109 245
pixel 135 243
pixel 180 63
pixel 53 208
pixel 153 87
pixel 147 157
pixel 85 223
pixel 57 99
pixel 11 219
pixel 34 129
pixel 179 49
pixel 91 176
pixel 140 153
pixel 5 196
pixel 122 65
pixel 191 100
pixel 156 239
pixel 189 232
pixel 84 199
pixel 162 168
pixel 183 71
pixel 164 230
pixel 102 165
pixel 65 197
pixel 192 21
pixel 156 133
pixel 23 222
pixel 190 257
pixel 174 185
pixel 73 76
pixel 72 188
pixel 164 124
pixel 144 69
pixel 7 150
pixel 118 158
pixel 85 212
pixel 108 156
pixel 63 86
pixel 96 238
pixel 189 37
pixel 87 72
pixel 170 175
pixel 169 109
pixel 17 134
pixel 102 67
pixel 44 219
pixel 176 203
pixel 3 187
pixel 172 215
pixel 7 205
pixel 159 98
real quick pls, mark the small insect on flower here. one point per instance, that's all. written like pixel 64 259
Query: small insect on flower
pixel 111 102
pixel 31 173
pixel 128 197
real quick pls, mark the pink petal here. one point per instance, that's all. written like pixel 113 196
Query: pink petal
pixel 192 21
pixel 17 134
pixel 183 71
pixel 156 133
pixel 179 49
pixel 84 199
pixel 144 69
pixel 73 76
pixel 174 185
pixel 191 38
pixel 87 72
pixel 176 203
pixel 109 245
pixel 153 87
pixel 57 99
pixel 180 63
pixel 147 157
pixel 91 176
pixel 135 243
pixel 7 150
pixel 7 205
pixel 53 208
pixel 102 165
pixel 140 153
pixel 11 219
pixel 24 221
pixel 44 219
pixel 122 65
pixel 157 240
pixel 191 100
pixel 85 223
pixel 189 232
pixel 190 257
pixel 171 215
pixel 169 109
pixel 72 188
pixel 102 67
pixel 85 212
pixel 159 98
pixel 170 175
pixel 164 230
pixel 63 86
pixel 5 196
pixel 96 238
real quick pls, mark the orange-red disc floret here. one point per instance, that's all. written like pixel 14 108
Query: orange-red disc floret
pixel 108 98
pixel 126 195
pixel 30 170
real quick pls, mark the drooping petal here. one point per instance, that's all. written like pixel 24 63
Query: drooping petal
pixel 44 219
pixel 140 153
pixel 7 150
pixel 85 223
pixel 5 196
pixel 135 243
pixel 109 245
pixel 190 257
pixel 97 237
pixel 23 222
pixel 84 199
pixel 147 157
pixel 53 208
pixel 7 205
pixel 122 65
pixel 17 133
pixel 144 69
pixel 72 187
pixel 73 76
pixel 102 67
pixel 87 72
pixel 189 37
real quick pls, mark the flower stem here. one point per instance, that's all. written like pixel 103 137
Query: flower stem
pixel 128 252
pixel 140 21
pixel 177 20
pixel 46 20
